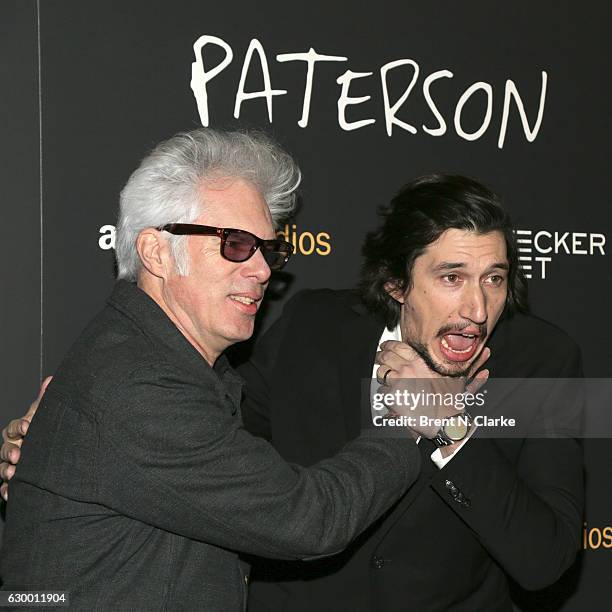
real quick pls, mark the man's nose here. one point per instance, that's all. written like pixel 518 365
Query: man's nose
pixel 474 304
pixel 256 266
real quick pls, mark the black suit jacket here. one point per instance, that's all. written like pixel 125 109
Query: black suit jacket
pixel 519 510
pixel 138 483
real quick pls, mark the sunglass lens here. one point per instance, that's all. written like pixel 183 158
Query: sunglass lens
pixel 239 246
pixel 277 253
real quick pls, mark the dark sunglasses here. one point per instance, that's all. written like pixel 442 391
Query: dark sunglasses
pixel 237 245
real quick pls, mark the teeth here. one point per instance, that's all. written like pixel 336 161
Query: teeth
pixel 446 346
pixel 242 299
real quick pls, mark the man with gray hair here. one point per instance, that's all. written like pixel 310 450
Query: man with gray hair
pixel 137 482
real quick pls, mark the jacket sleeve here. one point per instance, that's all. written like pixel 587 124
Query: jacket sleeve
pixel 527 515
pixel 174 461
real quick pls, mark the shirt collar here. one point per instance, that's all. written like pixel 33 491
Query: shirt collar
pixel 393 334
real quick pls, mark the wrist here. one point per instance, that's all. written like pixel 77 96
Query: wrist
pixel 453 431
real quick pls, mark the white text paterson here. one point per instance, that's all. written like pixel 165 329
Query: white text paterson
pixel 391 73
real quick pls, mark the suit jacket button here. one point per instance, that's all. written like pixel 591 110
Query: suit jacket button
pixel 450 485
pixel 378 562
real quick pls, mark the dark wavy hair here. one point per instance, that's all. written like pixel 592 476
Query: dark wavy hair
pixel 416 217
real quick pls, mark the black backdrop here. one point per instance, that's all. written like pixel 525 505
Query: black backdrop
pixel 88 86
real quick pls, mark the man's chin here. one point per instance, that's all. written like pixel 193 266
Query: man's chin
pixel 241 331
pixel 455 369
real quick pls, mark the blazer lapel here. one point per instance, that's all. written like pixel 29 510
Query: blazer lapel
pixel 359 336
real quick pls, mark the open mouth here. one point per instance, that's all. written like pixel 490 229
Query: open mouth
pixel 245 303
pixel 459 346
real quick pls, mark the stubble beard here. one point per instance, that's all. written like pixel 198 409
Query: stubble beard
pixel 425 355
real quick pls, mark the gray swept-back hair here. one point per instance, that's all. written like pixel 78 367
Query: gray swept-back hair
pixel 165 187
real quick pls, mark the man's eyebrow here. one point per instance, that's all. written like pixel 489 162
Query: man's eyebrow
pixel 448 265
pixel 500 265
pixel 452 265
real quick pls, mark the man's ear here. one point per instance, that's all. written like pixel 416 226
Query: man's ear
pixel 396 292
pixel 154 252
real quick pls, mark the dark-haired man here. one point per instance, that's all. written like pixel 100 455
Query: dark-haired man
pixel 440 275
pixel 440 282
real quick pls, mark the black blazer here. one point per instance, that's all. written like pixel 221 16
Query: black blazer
pixel 138 483
pixel 516 507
